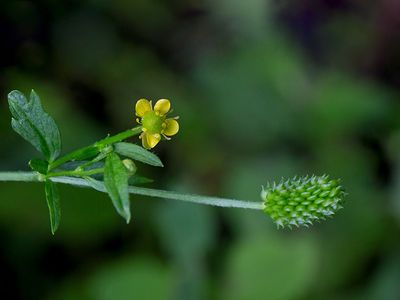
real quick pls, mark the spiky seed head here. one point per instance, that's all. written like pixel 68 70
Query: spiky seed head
pixel 302 201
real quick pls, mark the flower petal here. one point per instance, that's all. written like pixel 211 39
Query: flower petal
pixel 144 140
pixel 142 107
pixel 171 128
pixel 162 106
pixel 151 140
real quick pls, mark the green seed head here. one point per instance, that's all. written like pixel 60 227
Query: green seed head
pixel 301 201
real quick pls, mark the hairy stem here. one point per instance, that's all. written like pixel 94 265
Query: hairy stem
pixel 98 185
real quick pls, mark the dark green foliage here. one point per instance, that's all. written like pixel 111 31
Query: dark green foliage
pixel 138 153
pixel 39 165
pixel 31 122
pixel 116 182
pixel 34 124
pixel 53 202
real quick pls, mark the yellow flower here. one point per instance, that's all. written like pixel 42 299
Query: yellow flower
pixel 155 123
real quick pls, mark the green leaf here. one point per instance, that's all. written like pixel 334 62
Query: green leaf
pixel 53 202
pixel 116 182
pixel 138 153
pixel 138 180
pixel 34 124
pixel 95 184
pixel 39 165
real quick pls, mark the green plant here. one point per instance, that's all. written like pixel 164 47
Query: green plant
pixel 292 202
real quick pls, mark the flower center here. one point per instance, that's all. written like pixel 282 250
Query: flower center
pixel 152 122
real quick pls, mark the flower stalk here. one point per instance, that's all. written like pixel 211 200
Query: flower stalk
pixel 157 193
pixel 76 173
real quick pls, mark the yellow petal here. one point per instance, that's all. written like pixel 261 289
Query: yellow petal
pixel 151 140
pixel 162 106
pixel 143 137
pixel 143 106
pixel 171 128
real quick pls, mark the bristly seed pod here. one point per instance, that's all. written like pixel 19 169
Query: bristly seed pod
pixel 301 201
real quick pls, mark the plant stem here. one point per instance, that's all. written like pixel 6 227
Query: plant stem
pixel 20 176
pixel 98 158
pixel 79 182
pixel 96 147
pixel 214 201
pixel 72 156
pixel 76 173
pixel 120 137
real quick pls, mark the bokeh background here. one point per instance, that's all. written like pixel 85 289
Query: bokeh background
pixel 264 89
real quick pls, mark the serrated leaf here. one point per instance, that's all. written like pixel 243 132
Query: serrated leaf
pixel 53 202
pixel 39 165
pixel 116 182
pixel 138 153
pixel 34 124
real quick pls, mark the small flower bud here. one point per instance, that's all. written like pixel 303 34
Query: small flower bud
pixel 302 201
pixel 130 166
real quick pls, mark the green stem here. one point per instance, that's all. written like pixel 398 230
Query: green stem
pixel 120 137
pixel 20 176
pixel 98 158
pixel 96 147
pixel 73 155
pixel 215 201
pixel 76 173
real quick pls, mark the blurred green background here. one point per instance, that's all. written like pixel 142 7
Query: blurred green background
pixel 264 89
